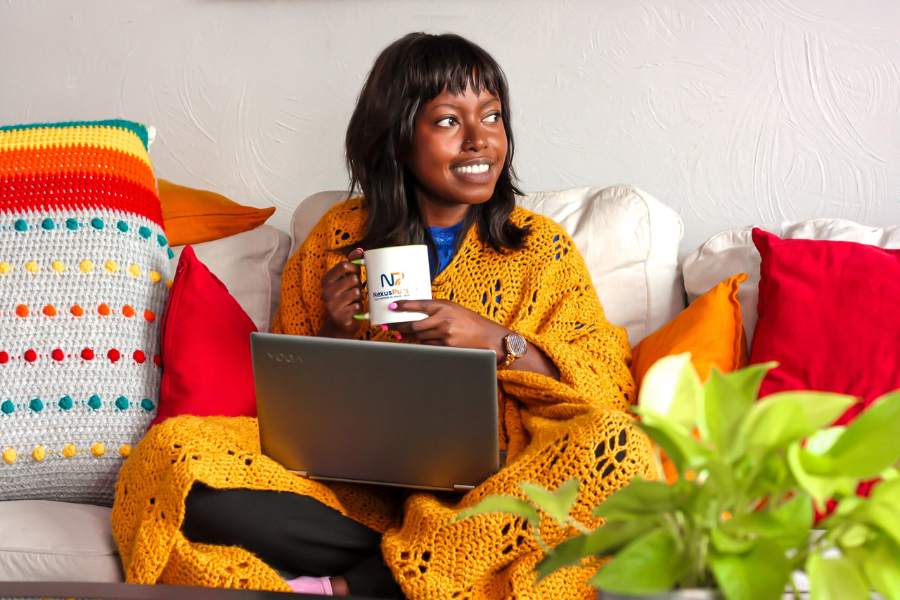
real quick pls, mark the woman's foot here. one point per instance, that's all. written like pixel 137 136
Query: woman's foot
pixel 311 585
pixel 324 586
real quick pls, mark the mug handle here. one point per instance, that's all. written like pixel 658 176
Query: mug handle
pixel 360 316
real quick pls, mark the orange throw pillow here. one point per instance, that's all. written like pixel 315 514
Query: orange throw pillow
pixel 193 216
pixel 711 329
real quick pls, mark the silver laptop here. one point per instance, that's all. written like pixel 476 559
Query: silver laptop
pixel 375 412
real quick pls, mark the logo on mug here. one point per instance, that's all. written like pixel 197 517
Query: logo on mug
pixel 392 281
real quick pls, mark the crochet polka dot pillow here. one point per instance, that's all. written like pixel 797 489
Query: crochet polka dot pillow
pixel 84 265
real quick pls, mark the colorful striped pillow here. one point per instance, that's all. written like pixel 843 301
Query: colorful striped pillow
pixel 84 266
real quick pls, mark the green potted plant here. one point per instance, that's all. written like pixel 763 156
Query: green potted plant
pixel 739 520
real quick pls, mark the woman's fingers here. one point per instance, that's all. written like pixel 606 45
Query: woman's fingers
pixel 344 297
pixel 340 271
pixel 432 328
pixel 429 307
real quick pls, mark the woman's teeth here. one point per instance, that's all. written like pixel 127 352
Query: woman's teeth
pixel 473 169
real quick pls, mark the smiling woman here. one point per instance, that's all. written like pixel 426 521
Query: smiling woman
pixel 430 146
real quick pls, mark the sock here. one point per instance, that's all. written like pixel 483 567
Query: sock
pixel 311 585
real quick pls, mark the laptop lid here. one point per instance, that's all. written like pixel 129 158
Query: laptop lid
pixel 376 412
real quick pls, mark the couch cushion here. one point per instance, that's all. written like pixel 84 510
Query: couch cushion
pixel 628 239
pixel 733 251
pixel 710 329
pixel 207 366
pixel 828 316
pixel 195 216
pixel 56 541
pixel 83 265
pixel 249 264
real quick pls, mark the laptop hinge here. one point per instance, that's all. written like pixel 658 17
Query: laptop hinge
pixel 463 486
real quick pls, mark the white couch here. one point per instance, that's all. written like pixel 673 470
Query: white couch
pixel 629 240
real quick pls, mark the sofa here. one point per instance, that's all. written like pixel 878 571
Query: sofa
pixel 629 240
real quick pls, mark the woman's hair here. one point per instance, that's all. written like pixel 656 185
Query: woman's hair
pixel 405 76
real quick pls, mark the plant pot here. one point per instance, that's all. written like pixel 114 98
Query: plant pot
pixel 691 594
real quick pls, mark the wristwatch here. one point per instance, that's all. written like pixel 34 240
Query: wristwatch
pixel 515 346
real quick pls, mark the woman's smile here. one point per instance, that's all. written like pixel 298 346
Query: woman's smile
pixel 478 170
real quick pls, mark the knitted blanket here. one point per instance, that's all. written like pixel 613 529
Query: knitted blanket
pixel 552 430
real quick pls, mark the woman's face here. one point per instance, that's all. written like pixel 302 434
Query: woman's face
pixel 459 148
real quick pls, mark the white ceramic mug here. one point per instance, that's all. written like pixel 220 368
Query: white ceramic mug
pixel 392 274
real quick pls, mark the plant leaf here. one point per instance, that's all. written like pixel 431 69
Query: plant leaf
pixel 883 508
pixel 680 446
pixel 772 478
pixel 761 573
pixel 820 488
pixel 602 541
pixel 671 389
pixel 649 564
pixel 556 504
pixel 788 525
pixel 730 541
pixel 854 536
pixel 726 400
pixel 883 569
pixel 869 444
pixel 785 417
pixel 503 504
pixel 821 441
pixel 641 497
pixel 834 578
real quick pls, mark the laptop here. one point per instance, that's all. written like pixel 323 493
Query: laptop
pixel 376 412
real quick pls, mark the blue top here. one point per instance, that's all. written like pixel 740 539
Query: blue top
pixel 444 239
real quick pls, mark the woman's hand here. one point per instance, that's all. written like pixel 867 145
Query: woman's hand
pixel 342 292
pixel 449 324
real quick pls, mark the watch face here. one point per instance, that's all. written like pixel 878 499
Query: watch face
pixel 515 344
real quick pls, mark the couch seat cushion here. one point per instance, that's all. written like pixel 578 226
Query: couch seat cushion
pixel 41 540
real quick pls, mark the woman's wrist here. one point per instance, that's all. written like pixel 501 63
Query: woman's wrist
pixel 499 345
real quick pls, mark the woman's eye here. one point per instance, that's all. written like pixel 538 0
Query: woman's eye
pixel 492 118
pixel 447 122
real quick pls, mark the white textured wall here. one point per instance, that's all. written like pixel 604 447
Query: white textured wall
pixel 733 112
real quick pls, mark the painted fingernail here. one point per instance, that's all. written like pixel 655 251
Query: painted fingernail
pixel 360 316
pixel 397 336
pixel 392 306
pixel 357 261
pixel 384 327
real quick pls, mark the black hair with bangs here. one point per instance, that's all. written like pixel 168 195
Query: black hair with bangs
pixel 406 75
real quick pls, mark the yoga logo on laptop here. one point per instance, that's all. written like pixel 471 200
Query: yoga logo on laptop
pixel 284 357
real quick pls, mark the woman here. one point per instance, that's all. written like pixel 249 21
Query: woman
pixel 430 145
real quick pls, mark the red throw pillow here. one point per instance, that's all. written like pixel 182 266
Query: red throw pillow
pixel 828 314
pixel 207 369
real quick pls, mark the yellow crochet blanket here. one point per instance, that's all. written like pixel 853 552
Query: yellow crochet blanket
pixel 552 430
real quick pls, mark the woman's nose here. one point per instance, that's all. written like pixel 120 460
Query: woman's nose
pixel 475 139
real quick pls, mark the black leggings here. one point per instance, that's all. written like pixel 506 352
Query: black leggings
pixel 292 533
